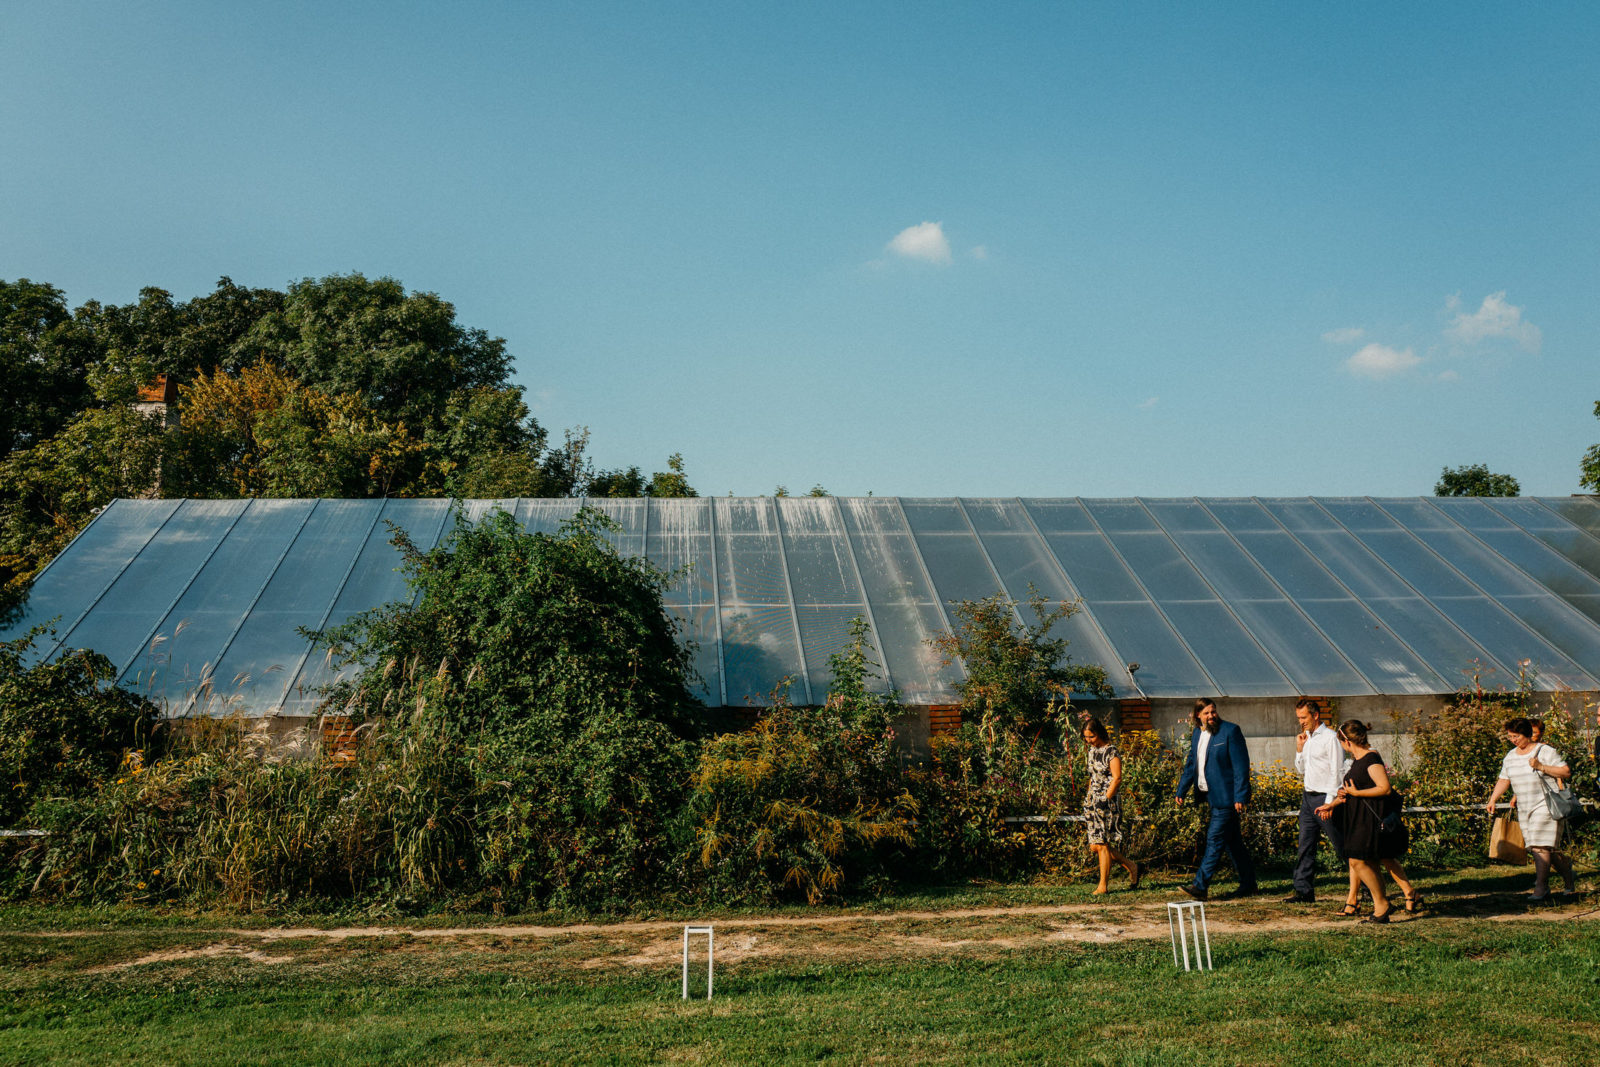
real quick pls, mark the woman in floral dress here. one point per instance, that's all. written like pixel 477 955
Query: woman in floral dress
pixel 1102 807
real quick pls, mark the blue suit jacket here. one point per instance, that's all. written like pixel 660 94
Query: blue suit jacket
pixel 1227 767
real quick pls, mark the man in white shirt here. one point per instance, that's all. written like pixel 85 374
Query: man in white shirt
pixel 1320 761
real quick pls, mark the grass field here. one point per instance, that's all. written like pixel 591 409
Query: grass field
pixel 992 975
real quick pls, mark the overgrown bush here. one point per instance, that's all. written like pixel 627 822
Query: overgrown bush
pixel 811 803
pixel 63 725
pixel 528 741
pixel 1455 759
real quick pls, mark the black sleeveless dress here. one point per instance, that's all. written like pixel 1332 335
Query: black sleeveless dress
pixel 1360 817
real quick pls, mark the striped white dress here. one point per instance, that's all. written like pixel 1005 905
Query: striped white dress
pixel 1538 828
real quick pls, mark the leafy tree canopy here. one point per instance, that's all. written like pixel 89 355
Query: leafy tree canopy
pixel 1014 669
pixel 44 363
pixel 1475 480
pixel 1590 467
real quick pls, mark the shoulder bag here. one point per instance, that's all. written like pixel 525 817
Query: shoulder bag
pixel 1561 802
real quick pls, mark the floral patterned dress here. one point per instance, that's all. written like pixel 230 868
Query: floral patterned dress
pixel 1103 817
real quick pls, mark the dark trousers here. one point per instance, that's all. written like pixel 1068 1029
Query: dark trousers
pixel 1311 830
pixel 1222 834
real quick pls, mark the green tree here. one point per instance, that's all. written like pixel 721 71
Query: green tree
pixel 1475 480
pixel 1590 467
pixel 63 724
pixel 1013 669
pixel 549 664
pixel 672 482
pixel 403 353
pixel 44 362
pixel 51 490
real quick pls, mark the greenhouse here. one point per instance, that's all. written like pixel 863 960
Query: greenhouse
pixel 201 603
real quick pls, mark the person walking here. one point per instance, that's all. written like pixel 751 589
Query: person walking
pixel 1319 760
pixel 1529 769
pixel 1363 802
pixel 1102 807
pixel 1217 768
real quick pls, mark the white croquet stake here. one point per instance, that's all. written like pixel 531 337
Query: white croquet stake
pixel 1196 914
pixel 711 946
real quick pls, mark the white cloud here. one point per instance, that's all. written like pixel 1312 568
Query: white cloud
pixel 1381 361
pixel 1449 376
pixel 1347 335
pixel 980 252
pixel 1149 402
pixel 1494 319
pixel 925 241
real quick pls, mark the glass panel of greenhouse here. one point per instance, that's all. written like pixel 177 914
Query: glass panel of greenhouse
pixel 204 604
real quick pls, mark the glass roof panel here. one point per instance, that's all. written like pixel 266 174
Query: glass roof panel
pixel 821 570
pixel 216 603
pixel 1494 627
pixel 680 543
pixel 1313 664
pixel 1382 657
pixel 698 625
pixel 1225 566
pixel 1161 567
pixel 72 583
pixel 1291 566
pixel 1177 516
pixel 545 515
pixel 956 564
pixel 1242 515
pixel 1023 560
pixel 759 649
pixel 1059 516
pixel 1579 547
pixel 1165 667
pixel 264 655
pixel 1227 651
pixel 1094 568
pixel 997 515
pixel 935 516
pixel 127 618
pixel 1120 516
pixel 375 580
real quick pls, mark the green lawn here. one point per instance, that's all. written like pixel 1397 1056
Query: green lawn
pixel 1476 981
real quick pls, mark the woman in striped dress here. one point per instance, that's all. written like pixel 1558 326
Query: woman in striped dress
pixel 1528 769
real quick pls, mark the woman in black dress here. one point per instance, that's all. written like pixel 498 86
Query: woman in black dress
pixel 1363 801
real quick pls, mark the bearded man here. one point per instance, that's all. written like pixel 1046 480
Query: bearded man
pixel 1218 770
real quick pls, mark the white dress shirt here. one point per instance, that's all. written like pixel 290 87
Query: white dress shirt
pixel 1321 762
pixel 1200 760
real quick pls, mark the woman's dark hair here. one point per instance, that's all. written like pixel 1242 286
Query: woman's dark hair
pixel 1520 726
pixel 1097 728
pixel 1354 731
pixel 1201 705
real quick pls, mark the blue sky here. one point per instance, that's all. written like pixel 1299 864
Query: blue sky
pixel 916 249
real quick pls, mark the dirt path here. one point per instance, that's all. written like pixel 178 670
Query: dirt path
pixel 921 933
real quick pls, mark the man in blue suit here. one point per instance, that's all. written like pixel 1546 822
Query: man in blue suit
pixel 1218 770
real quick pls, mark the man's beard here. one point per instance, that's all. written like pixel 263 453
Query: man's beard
pixel 1211 729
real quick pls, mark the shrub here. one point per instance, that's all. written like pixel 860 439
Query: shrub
pixel 63 725
pixel 810 803
pixel 1455 759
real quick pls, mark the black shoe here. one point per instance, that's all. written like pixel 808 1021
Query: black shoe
pixel 1298 897
pixel 1240 893
pixel 1536 901
pixel 1197 894
pixel 1376 918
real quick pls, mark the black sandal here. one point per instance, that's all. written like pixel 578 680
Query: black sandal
pixel 1413 903
pixel 1351 909
pixel 1376 918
